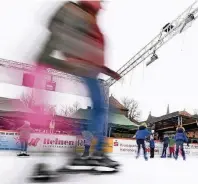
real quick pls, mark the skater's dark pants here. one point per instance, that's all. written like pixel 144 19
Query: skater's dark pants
pixel 164 149
pixel 180 144
pixel 152 151
pixel 86 150
pixel 141 142
pixel 24 145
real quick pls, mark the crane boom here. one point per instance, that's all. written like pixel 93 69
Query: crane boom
pixel 166 34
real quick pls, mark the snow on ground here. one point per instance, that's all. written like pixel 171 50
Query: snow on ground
pixel 14 170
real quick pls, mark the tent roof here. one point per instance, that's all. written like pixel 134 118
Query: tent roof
pixel 114 119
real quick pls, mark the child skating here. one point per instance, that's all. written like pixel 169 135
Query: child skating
pixel 141 136
pixel 165 146
pixel 152 147
pixel 171 147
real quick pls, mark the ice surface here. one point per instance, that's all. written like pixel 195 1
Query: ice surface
pixel 14 170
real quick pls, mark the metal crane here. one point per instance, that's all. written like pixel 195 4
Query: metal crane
pixel 170 30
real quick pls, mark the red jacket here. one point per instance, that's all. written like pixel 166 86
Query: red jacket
pixel 75 32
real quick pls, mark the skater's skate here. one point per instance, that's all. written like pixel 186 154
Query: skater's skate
pixel 137 156
pixel 23 154
pixel 85 155
pixel 175 157
pixel 77 164
pixel 96 163
pixel 103 160
pixel 41 172
pixel 145 157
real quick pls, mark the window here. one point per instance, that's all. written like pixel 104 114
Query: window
pixel 28 80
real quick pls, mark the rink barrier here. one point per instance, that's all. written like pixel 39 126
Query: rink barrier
pixel 39 142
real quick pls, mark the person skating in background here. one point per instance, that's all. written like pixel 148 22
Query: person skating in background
pixel 165 146
pixel 180 139
pixel 141 136
pixel 171 147
pixel 88 136
pixel 152 146
pixel 24 136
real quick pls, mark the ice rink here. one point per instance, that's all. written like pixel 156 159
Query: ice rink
pixel 14 170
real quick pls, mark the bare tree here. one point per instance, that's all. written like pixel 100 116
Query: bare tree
pixel 28 100
pixel 195 111
pixel 67 110
pixel 133 107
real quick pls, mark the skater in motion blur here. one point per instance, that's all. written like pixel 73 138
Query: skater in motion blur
pixel 24 135
pixel 141 136
pixel 76 35
pixel 180 139
pixel 172 146
pixel 165 146
pixel 88 136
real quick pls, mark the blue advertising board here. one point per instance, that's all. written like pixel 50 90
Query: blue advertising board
pixel 9 141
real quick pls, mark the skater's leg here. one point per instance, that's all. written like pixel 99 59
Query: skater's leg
pixel 144 149
pixel 152 152
pixel 138 151
pixel 98 111
pixel 98 118
pixel 182 150
pixel 22 146
pixel 170 151
pixel 86 151
pixel 25 146
pixel 163 151
pixel 177 150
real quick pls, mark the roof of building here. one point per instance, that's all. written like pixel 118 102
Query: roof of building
pixel 151 119
pixel 116 104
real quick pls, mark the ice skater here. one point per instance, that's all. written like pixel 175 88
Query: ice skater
pixel 172 146
pixel 24 135
pixel 152 146
pixel 76 35
pixel 88 136
pixel 141 136
pixel 165 146
pixel 180 139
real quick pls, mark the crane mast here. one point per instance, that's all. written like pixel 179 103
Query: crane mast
pixel 170 30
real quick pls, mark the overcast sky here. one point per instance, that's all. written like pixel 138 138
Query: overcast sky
pixel 128 26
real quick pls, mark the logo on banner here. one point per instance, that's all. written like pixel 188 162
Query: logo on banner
pixel 34 142
pixel 17 140
pixel 116 143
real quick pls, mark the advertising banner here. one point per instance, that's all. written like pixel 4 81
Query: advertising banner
pixel 108 148
pixel 128 146
pixel 39 142
pixel 9 141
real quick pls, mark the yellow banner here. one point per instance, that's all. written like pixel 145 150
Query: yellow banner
pixel 108 147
